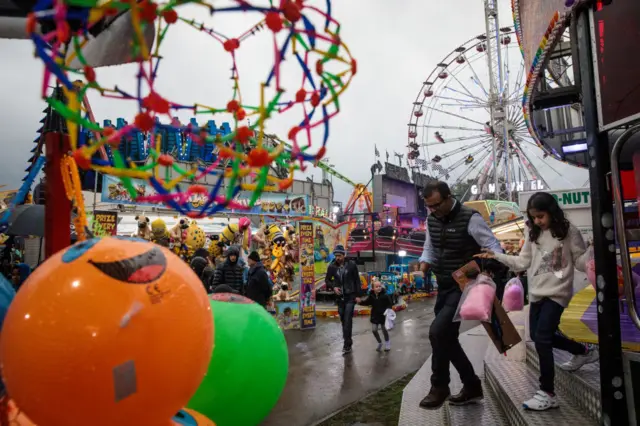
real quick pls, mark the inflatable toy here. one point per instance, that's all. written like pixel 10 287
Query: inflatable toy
pixel 112 331
pixel 248 369
pixel 188 417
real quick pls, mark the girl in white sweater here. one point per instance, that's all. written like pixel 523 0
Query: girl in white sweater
pixel 553 247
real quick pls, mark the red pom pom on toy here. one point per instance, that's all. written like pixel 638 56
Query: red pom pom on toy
pixel 243 134
pixel 144 122
pixel 292 11
pixel 315 99
pixel 165 160
pixel 156 103
pixel 231 44
pixel 274 21
pixel 170 16
pixel 300 95
pixel 233 106
pixel 259 157
pixel 89 74
pixel 148 11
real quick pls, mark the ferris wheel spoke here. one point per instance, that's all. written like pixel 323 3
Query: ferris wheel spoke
pixel 461 162
pixel 482 177
pixel 463 138
pixel 476 166
pixel 472 129
pixel 464 103
pixel 476 79
pixel 467 93
pixel 535 174
pixel 548 165
pixel 461 149
pixel 458 116
pixel 464 88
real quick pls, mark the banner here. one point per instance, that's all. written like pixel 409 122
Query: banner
pixel 270 203
pixel 307 276
pixel 105 223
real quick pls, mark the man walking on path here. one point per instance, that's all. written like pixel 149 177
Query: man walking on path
pixel 258 286
pixel 344 280
pixel 454 234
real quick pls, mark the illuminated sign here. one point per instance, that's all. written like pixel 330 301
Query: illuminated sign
pixel 534 185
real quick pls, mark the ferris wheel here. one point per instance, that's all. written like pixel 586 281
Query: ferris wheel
pixel 467 126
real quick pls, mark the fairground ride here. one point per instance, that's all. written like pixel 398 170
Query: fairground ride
pixel 467 125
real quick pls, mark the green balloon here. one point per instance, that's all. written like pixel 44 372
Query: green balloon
pixel 248 367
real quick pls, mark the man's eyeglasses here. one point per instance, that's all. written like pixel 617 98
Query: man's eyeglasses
pixel 436 205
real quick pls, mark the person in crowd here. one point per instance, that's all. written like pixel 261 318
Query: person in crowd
pixel 230 272
pixel 198 265
pixel 258 286
pixel 379 301
pixel 19 274
pixel 343 279
pixel 553 248
pixel 454 234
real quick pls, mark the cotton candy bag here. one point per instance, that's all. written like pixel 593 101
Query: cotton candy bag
pixel 477 298
pixel 513 298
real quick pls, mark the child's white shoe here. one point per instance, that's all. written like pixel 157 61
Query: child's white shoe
pixel 577 361
pixel 541 401
pixel 379 348
pixel 387 346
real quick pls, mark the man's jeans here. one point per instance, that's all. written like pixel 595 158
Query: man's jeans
pixel 346 306
pixel 445 345
pixel 544 319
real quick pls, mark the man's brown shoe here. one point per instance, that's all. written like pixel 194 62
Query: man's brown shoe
pixel 435 398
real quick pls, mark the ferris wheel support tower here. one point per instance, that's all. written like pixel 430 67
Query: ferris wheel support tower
pixel 497 96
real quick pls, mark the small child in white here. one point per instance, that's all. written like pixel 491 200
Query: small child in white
pixel 379 301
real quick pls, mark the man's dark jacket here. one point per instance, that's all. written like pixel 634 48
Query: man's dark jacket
pixel 258 287
pixel 452 245
pixel 230 273
pixel 349 283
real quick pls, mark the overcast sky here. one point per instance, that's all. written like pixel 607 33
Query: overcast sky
pixel 397 44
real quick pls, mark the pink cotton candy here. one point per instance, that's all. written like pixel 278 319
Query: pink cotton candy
pixel 479 303
pixel 513 299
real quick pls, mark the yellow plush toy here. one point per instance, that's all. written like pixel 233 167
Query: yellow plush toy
pixel 195 237
pixel 159 233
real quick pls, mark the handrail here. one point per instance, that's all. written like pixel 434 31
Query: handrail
pixel 629 291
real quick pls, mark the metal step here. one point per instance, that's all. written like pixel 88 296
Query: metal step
pixel 487 412
pixel 582 386
pixel 484 413
pixel 514 382
pixel 410 412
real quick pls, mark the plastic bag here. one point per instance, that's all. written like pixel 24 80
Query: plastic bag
pixel 513 298
pixel 477 299
pixel 390 318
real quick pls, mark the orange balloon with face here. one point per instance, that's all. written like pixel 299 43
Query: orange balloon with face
pixel 108 332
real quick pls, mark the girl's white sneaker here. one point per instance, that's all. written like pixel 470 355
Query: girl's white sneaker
pixel 577 361
pixel 541 401
pixel 379 348
pixel 387 346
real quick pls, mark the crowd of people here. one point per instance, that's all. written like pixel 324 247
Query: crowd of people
pixel 234 276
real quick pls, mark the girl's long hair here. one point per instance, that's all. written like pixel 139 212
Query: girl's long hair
pixel 545 202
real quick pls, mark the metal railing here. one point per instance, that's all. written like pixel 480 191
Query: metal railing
pixel 629 290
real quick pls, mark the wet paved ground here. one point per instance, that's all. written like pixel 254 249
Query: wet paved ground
pixel 322 380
